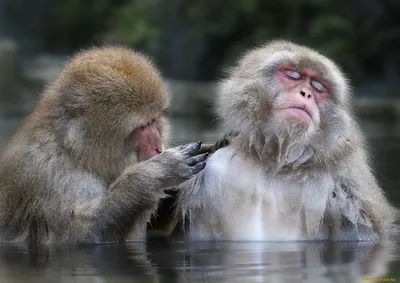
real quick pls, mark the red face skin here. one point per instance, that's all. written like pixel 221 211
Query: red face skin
pixel 149 141
pixel 304 91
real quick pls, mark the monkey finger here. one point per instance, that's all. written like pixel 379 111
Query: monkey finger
pixel 198 167
pixel 206 148
pixel 222 143
pixel 197 159
pixel 191 148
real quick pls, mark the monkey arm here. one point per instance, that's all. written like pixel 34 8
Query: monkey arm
pixel 76 207
pixel 134 196
pixel 129 203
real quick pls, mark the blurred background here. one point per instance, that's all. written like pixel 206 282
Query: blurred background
pixel 193 42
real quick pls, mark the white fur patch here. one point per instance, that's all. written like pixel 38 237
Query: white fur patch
pixel 240 202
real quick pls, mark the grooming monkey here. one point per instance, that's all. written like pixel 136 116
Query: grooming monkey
pixel 88 164
pixel 297 166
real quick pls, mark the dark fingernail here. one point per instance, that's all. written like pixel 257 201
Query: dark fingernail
pixel 199 166
pixel 204 156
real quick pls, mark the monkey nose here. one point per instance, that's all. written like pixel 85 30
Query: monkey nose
pixel 305 93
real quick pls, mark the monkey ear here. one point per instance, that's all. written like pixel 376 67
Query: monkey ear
pixel 73 102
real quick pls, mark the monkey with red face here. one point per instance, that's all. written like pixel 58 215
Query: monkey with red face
pixel 89 163
pixel 297 166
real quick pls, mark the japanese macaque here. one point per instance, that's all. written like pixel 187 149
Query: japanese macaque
pixel 297 166
pixel 89 163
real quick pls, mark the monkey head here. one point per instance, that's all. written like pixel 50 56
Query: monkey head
pixel 109 108
pixel 287 100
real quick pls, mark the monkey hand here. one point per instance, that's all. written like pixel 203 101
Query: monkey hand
pixel 181 163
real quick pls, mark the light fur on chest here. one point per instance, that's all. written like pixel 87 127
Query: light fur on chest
pixel 242 202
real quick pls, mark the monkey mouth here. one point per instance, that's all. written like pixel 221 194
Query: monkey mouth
pixel 301 113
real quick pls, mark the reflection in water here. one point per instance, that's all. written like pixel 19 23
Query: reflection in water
pixel 287 262
pixel 167 261
pixel 92 263
pixel 174 261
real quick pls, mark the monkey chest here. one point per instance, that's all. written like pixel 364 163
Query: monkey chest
pixel 266 211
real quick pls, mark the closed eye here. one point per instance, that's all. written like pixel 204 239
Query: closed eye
pixel 318 86
pixel 292 74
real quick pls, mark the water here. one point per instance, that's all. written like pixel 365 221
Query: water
pixel 171 261
pixel 167 260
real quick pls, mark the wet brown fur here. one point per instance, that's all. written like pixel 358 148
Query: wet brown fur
pixel 70 173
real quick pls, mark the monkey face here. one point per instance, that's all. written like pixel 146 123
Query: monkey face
pixel 302 91
pixel 284 93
